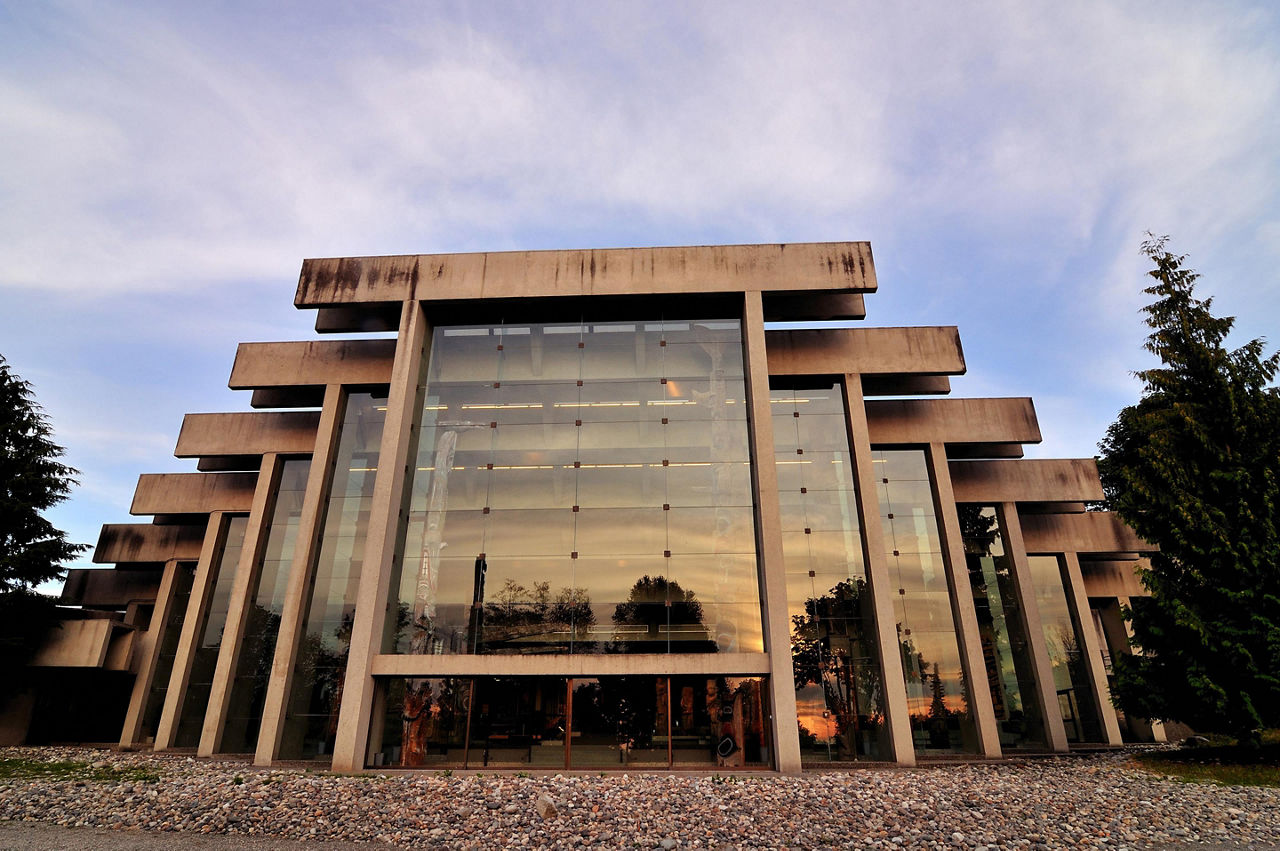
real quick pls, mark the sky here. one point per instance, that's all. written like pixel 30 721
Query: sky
pixel 165 168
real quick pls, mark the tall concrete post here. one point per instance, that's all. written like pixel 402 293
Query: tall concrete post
pixel 1091 648
pixel 889 656
pixel 1046 695
pixel 962 607
pixel 192 626
pixel 305 552
pixel 255 542
pixel 148 651
pixel 385 518
pixel 773 581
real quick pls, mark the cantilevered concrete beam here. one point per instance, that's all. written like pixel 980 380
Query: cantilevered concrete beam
pixel 312 364
pixel 1112 578
pixel 144 542
pixel 953 421
pixel 794 307
pixel 193 493
pixel 1038 480
pixel 238 441
pixel 905 385
pixel 868 351
pixel 836 266
pixel 1099 533
pixel 109 589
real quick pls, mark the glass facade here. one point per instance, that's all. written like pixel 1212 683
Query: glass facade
pixel 205 655
pixel 169 638
pixel 937 696
pixel 1006 650
pixel 312 719
pixel 839 698
pixel 1062 638
pixel 262 622
pixel 582 722
pixel 580 488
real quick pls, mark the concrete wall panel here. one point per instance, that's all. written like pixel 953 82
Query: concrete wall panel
pixel 77 644
pixel 837 266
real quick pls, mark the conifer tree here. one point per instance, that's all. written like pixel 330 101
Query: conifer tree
pixel 1194 467
pixel 32 550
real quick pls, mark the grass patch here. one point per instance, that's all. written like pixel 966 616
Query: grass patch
pixel 1225 764
pixel 34 769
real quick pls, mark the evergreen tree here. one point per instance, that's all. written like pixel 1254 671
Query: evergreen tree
pixel 32 551
pixel 1194 467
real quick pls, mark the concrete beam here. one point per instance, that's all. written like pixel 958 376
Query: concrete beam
pixel 312 364
pixel 794 307
pixel 349 318
pixel 193 493
pixel 76 644
pixel 842 267
pixel 1112 578
pixel 107 588
pixel 1098 533
pixel 247 435
pixel 143 542
pixel 952 421
pixel 1031 480
pixel 868 351
pixel 905 385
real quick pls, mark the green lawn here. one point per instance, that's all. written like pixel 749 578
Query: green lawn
pixel 1225 764
pixel 35 769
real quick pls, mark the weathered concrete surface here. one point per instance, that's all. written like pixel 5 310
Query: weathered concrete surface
pixel 1099 533
pixel 247 434
pixel 1029 480
pixel 313 363
pixel 77 644
pixel 144 542
pixel 1112 578
pixel 193 493
pixel 836 266
pixel 959 421
pixel 109 589
pixel 924 350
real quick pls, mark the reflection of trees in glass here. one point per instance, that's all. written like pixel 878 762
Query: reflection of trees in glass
pixel 627 705
pixel 828 649
pixel 657 603
pixel 429 716
pixel 978 528
pixel 532 618
pixel 939 715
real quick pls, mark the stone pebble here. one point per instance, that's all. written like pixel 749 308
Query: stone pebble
pixel 1100 800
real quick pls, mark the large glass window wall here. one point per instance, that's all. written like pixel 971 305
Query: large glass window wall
pixel 839 698
pixel 195 701
pixel 580 488
pixel 937 696
pixel 1006 649
pixel 613 722
pixel 262 621
pixel 312 720
pixel 1066 651
pixel 168 650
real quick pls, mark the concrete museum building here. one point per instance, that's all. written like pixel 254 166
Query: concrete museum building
pixel 587 509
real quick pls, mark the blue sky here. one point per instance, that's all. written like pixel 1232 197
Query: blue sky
pixel 165 167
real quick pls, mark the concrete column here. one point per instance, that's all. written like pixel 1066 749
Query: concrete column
pixel 882 591
pixel 1120 632
pixel 1046 696
pixel 306 549
pixel 148 654
pixel 255 542
pixel 1091 648
pixel 962 608
pixel 192 627
pixel 773 581
pixel 385 517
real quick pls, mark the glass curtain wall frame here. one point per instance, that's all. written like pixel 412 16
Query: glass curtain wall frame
pixel 1006 647
pixel 608 722
pixel 171 634
pixel 195 700
pixel 1076 698
pixel 256 654
pixel 580 487
pixel 839 685
pixel 938 701
pixel 325 627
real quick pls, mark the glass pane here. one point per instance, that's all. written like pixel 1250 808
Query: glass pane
pixel 1066 651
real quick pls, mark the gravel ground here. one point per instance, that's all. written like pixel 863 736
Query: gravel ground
pixel 1045 803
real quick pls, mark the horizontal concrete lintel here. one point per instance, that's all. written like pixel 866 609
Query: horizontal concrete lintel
pixel 1097 533
pixel 143 542
pixel 928 350
pixel 193 493
pixel 250 433
pixel 905 385
pixel 586 665
pixel 352 318
pixel 984 451
pixel 959 421
pixel 1028 480
pixel 1112 578
pixel 313 363
pixel 832 266
pixel 813 306
pixel 109 587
